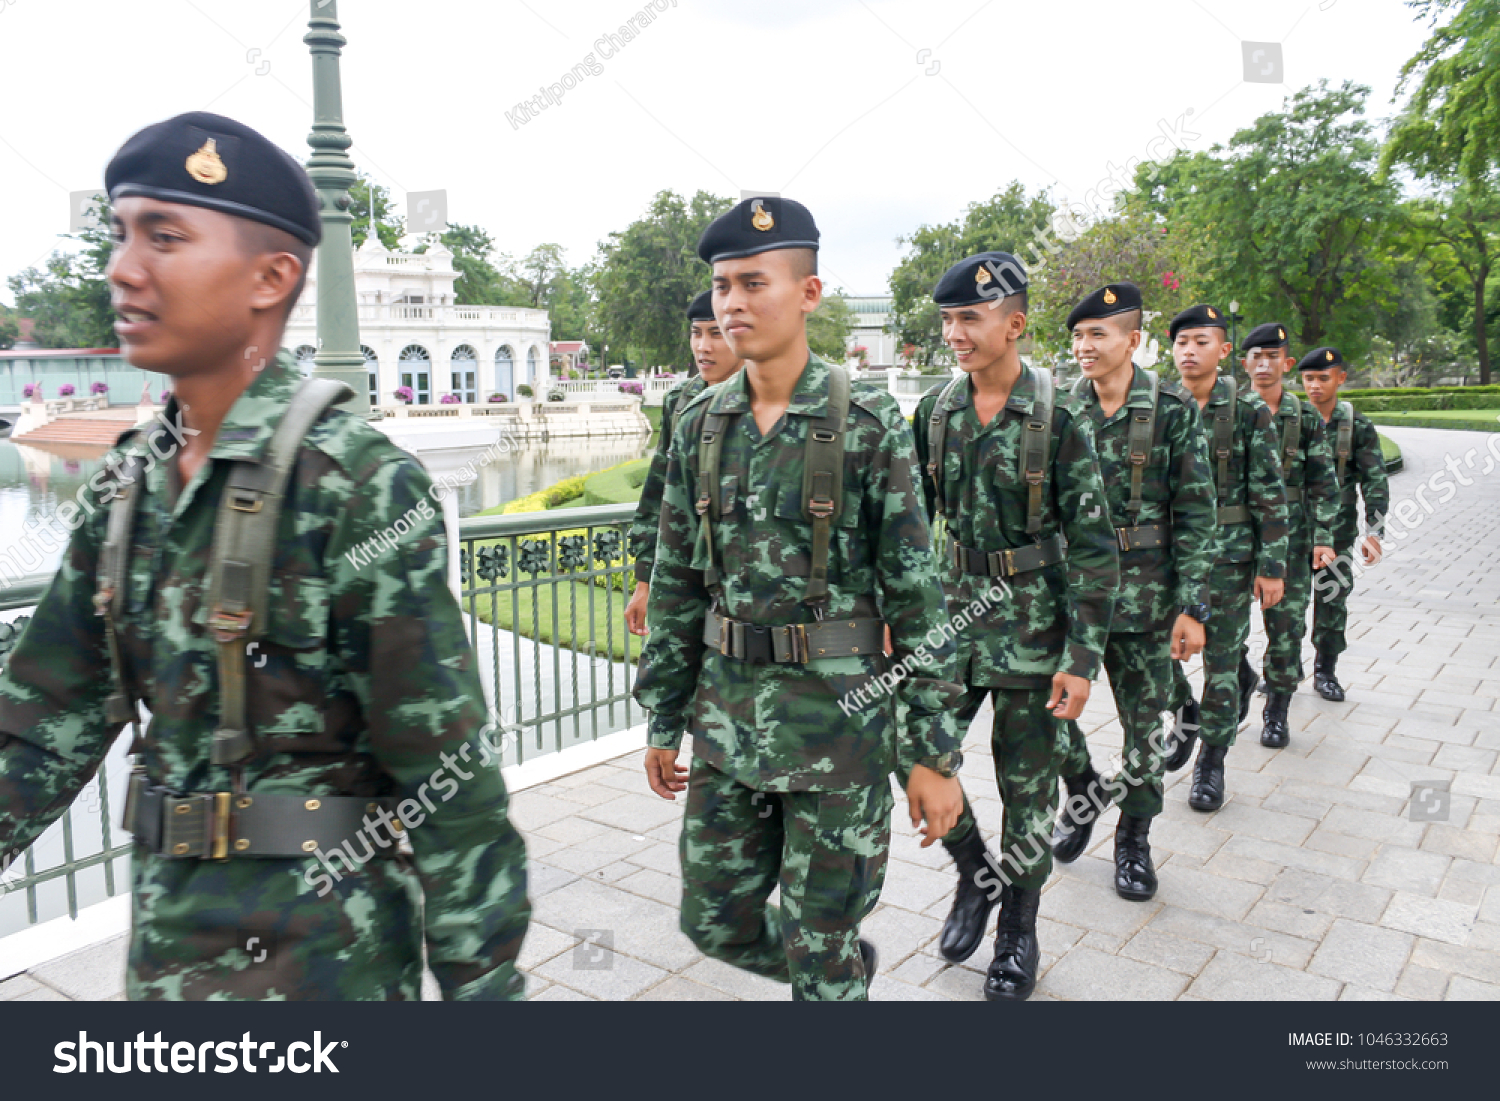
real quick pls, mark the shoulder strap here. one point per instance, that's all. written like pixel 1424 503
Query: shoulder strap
pixel 823 480
pixel 1344 440
pixel 240 563
pixel 1224 437
pixel 937 439
pixel 708 505
pixel 1036 440
pixel 1142 435
pixel 1291 433
pixel 109 596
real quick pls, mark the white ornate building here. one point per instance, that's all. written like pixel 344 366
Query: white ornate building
pixel 415 334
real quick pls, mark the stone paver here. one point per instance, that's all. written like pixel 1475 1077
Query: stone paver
pixel 1325 876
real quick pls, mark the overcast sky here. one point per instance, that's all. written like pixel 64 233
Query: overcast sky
pixel 880 115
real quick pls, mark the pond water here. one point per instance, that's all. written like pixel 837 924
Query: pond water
pixel 33 482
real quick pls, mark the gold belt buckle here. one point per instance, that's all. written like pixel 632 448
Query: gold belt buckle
pixel 1008 556
pixel 219 827
pixel 726 640
pixel 797 637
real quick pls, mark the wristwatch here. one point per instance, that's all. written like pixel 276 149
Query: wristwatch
pixel 945 765
pixel 1200 612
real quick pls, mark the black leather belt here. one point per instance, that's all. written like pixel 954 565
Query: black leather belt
pixel 1005 563
pixel 1294 493
pixel 220 824
pixel 1143 537
pixel 795 643
pixel 1234 514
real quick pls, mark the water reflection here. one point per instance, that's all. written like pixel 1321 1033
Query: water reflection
pixel 34 482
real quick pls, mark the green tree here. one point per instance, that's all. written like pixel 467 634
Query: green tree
pixel 480 282
pixel 829 326
pixel 389 226
pixel 1010 221
pixel 1289 219
pixel 1451 126
pixel 647 274
pixel 10 332
pixel 69 297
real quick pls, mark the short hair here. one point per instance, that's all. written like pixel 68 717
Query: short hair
pixel 1129 320
pixel 1017 302
pixel 802 262
pixel 258 239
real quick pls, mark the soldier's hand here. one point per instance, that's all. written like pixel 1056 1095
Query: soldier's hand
pixel 1323 556
pixel 1069 694
pixel 935 799
pixel 890 647
pixel 1188 638
pixel 1269 591
pixel 1370 550
pixel 635 609
pixel 663 772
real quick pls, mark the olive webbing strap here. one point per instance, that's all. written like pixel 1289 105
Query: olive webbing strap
pixel 1138 443
pixel 109 596
pixel 1224 438
pixel 1344 439
pixel 1036 437
pixel 823 481
pixel 240 563
pixel 937 439
pixel 1291 433
pixel 707 505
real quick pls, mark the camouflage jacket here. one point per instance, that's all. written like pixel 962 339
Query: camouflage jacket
pixel 1055 619
pixel 364 685
pixel 1254 480
pixel 825 725
pixel 648 508
pixel 1310 521
pixel 1364 473
pixel 1176 490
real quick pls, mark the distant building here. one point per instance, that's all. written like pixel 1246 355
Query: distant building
pixel 569 353
pixel 413 332
pixel 871 316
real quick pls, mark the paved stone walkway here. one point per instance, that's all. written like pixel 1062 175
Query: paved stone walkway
pixel 1323 877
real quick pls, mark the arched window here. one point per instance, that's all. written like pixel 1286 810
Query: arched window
pixel 304 356
pixel 416 373
pixel 372 364
pixel 464 364
pixel 505 371
pixel 532 361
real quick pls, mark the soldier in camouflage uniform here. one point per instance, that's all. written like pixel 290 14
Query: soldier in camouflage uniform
pixel 1162 509
pixel 716 361
pixel 1359 468
pixel 768 650
pixel 363 697
pixel 1251 554
pixel 1306 456
pixel 1033 646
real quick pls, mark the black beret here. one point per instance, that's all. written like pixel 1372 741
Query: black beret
pixel 1198 317
pixel 1107 301
pixel 987 277
pixel 1321 359
pixel 758 225
pixel 1270 335
pixel 702 308
pixel 212 161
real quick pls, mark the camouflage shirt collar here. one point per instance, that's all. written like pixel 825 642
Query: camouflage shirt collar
pixel 809 396
pixel 1139 396
pixel 247 428
pixel 1220 393
pixel 1022 395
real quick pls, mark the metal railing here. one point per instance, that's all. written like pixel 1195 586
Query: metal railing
pixel 543 595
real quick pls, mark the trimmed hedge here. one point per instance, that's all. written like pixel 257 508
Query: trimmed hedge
pixel 617 485
pixel 1400 401
pixel 1462 420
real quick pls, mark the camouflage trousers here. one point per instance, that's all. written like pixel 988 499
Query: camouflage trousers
pixel 1026 741
pixel 1227 629
pixel 1140 678
pixel 825 850
pixel 1286 623
pixel 1331 588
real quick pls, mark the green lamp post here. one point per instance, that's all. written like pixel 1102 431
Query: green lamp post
pixel 339 356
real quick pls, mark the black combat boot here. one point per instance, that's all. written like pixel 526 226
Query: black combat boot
pixel 1012 973
pixel 1135 875
pixel 1275 734
pixel 1208 778
pixel 1184 734
pixel 871 960
pixel 1249 678
pixel 1070 836
pixel 976 897
pixel 1324 681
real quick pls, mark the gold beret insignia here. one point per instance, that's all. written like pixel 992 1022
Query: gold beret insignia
pixel 205 165
pixel 982 276
pixel 1211 312
pixel 762 219
pixel 1109 297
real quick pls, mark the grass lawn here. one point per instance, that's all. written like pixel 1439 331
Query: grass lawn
pixel 1472 420
pixel 571 628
